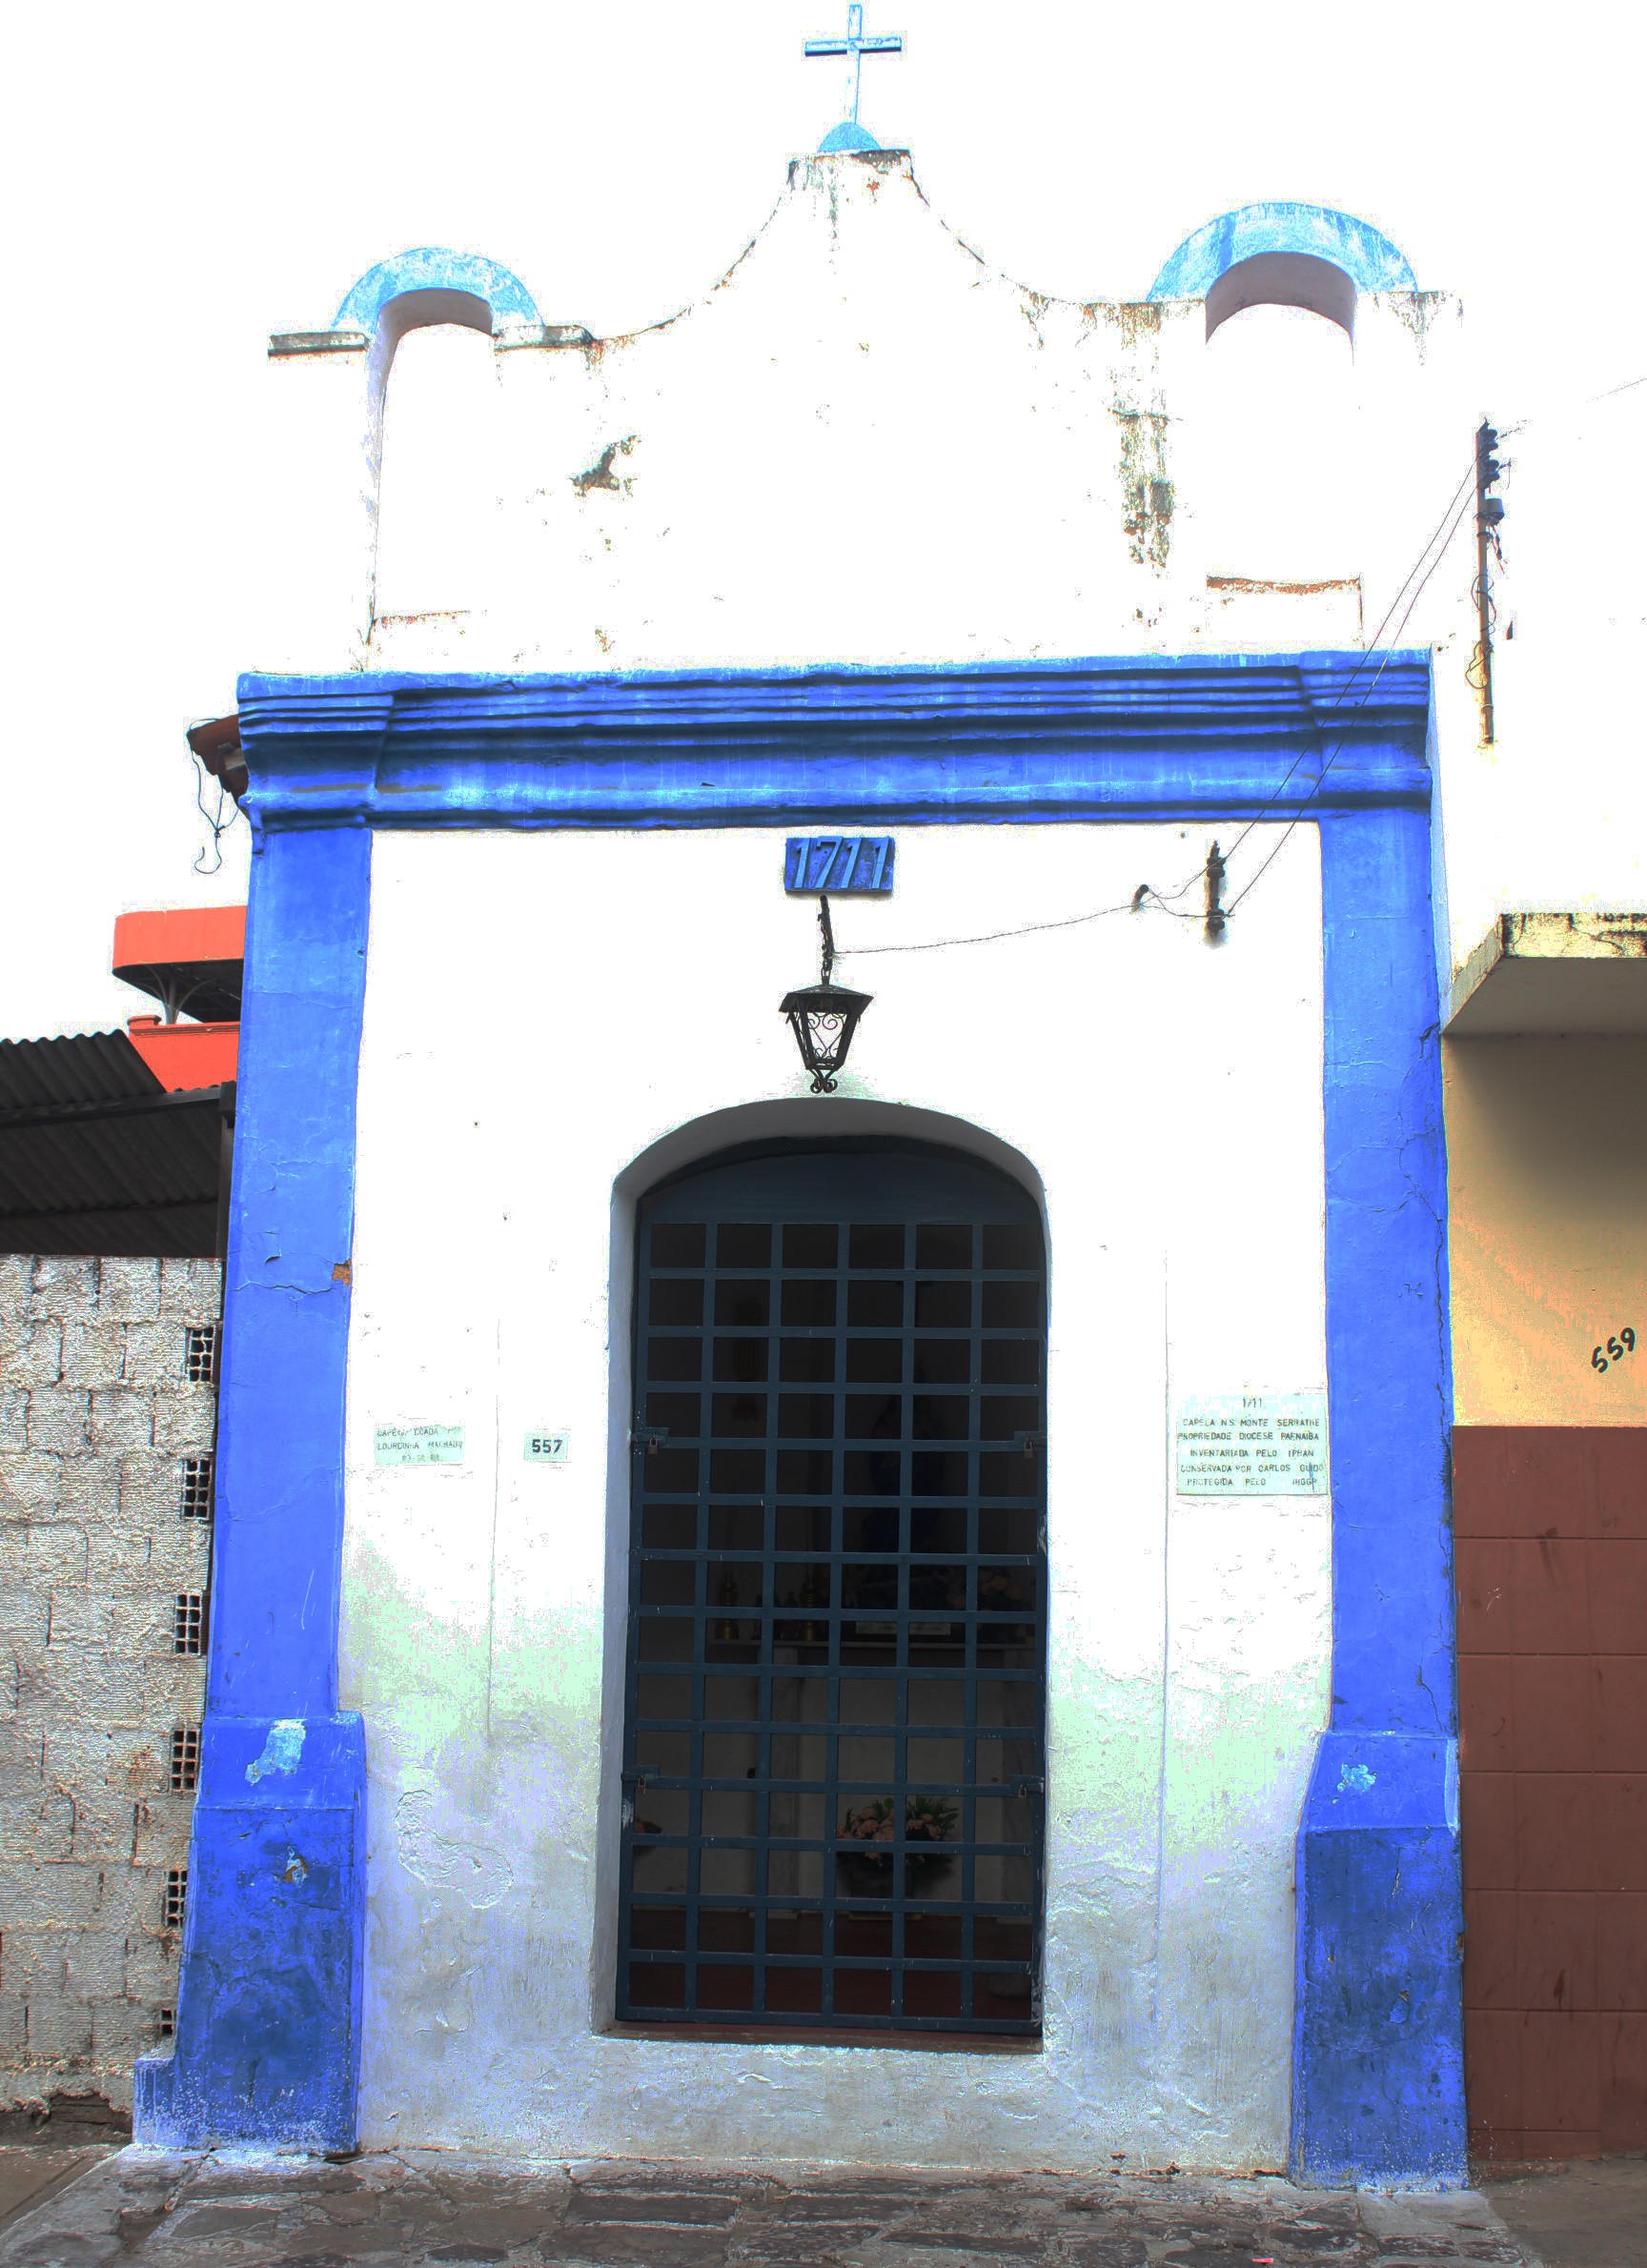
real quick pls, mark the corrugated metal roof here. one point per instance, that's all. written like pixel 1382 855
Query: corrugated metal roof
pixel 96 1156
pixel 90 1068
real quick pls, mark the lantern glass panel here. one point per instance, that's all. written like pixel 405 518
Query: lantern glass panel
pixel 824 1018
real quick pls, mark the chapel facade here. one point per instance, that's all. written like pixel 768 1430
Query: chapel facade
pixel 894 1605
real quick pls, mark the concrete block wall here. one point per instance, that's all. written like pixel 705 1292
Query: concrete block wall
pixel 96 1417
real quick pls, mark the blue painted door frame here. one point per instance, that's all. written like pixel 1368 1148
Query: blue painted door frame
pixel 268 2040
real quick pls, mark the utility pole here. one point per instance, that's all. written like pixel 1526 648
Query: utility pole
pixel 1489 515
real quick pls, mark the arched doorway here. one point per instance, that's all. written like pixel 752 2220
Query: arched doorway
pixel 834 1761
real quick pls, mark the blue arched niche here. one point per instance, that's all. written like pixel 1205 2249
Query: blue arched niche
pixel 429 285
pixel 1283 254
pixel 493 293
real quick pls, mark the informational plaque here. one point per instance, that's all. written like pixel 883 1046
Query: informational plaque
pixel 1250 1445
pixel 419 1444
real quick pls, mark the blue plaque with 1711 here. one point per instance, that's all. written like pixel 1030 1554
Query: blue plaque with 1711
pixel 850 865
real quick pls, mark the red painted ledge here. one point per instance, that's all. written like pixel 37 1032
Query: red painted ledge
pixel 185 1055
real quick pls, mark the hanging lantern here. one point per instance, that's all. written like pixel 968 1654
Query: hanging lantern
pixel 824 1016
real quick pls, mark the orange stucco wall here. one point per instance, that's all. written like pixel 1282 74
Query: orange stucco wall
pixel 1548 1229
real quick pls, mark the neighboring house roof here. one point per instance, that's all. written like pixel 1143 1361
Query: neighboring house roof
pixel 96 1156
pixel 187 1056
pixel 189 959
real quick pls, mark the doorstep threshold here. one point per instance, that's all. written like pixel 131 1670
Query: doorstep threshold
pixel 833 2035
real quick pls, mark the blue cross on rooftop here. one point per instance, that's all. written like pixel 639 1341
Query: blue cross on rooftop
pixel 857 44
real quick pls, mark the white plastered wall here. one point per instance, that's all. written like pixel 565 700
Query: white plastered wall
pixel 542 1011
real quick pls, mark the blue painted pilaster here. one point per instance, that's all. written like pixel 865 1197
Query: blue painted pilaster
pixel 268 2038
pixel 1378 2087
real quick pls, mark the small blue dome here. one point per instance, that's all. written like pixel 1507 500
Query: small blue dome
pixel 848 136
pixel 434 267
pixel 1355 247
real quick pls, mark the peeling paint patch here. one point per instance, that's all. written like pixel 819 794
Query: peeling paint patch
pixel 477 1873
pixel 1147 493
pixel 294 1870
pixel 1133 318
pixel 1356 1779
pixel 282 1750
pixel 599 475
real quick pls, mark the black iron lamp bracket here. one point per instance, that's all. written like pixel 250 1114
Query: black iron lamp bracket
pixel 824 1016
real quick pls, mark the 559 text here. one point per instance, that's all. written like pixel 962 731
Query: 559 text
pixel 1621 1344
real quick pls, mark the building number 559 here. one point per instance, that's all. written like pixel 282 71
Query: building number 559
pixel 1615 1351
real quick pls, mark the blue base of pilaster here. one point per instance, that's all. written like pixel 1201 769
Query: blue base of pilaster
pixel 268 2040
pixel 1378 2062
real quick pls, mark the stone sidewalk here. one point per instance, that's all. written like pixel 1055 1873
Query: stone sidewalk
pixel 231 2210
pixel 1588 2213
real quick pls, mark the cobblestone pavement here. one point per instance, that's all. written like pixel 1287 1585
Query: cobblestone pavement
pixel 230 2209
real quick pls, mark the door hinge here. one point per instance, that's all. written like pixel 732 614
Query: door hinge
pixel 634 1786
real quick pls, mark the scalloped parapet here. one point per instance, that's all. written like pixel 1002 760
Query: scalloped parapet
pixel 1054 474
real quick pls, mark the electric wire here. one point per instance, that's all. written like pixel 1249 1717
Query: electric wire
pixel 1562 409
pixel 1451 518
pixel 1374 645
pixel 216 822
pixel 992 937
pixel 1280 843
pixel 1145 894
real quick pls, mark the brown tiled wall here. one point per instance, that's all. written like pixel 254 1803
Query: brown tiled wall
pixel 1551 1559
